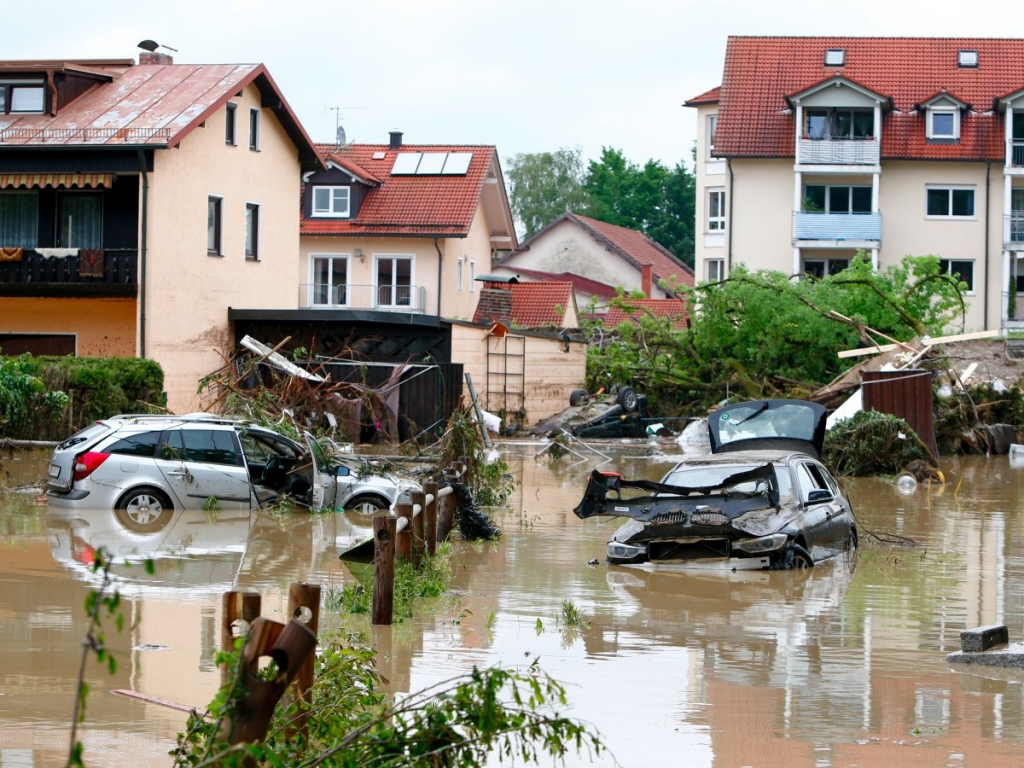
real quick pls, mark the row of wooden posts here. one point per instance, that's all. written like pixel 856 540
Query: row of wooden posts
pixel 413 530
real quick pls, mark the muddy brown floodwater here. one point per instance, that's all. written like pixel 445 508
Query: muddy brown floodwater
pixel 843 665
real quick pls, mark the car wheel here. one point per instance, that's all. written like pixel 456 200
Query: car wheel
pixel 851 540
pixel 794 557
pixel 367 505
pixel 627 399
pixel 144 510
pixel 579 397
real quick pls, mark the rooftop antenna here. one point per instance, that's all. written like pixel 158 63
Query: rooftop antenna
pixel 152 45
pixel 339 129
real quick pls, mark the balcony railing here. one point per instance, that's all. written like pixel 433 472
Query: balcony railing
pixel 1017 153
pixel 1013 227
pixel 385 298
pixel 1014 304
pixel 838 151
pixel 50 274
pixel 860 227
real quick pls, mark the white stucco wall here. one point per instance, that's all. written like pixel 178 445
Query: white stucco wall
pixel 188 292
pixel 762 214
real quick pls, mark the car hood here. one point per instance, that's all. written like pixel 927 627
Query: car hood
pixel 779 424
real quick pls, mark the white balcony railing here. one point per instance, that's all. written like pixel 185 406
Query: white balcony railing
pixel 386 298
pixel 837 151
pixel 1013 228
pixel 1017 153
pixel 855 227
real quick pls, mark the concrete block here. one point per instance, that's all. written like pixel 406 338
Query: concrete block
pixel 983 638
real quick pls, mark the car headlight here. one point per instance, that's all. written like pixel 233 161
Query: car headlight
pixel 619 551
pixel 761 544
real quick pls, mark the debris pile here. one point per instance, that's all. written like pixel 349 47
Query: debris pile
pixel 872 443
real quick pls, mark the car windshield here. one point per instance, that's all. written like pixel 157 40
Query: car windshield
pixel 748 421
pixel 713 476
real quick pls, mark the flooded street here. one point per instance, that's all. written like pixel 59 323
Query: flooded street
pixel 843 665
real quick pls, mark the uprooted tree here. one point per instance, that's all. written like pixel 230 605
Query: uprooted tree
pixel 766 334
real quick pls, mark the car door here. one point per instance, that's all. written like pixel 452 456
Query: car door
pixel 821 507
pixel 323 484
pixel 201 462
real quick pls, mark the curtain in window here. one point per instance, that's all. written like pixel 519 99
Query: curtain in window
pixel 19 220
pixel 80 221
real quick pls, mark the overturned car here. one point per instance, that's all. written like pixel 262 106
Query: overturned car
pixel 762 499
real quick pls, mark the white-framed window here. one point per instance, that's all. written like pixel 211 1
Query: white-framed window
pixel 821 267
pixel 949 202
pixel 963 269
pixel 215 225
pixel 837 198
pixel 714 270
pixel 329 279
pixel 394 281
pixel 332 201
pixel 835 57
pixel 254 129
pixel 22 96
pixel 716 210
pixel 472 276
pixel 712 131
pixel 252 231
pixel 944 123
pixel 230 123
pixel 458 274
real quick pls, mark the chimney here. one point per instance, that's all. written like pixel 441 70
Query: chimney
pixel 396 140
pixel 646 279
pixel 153 57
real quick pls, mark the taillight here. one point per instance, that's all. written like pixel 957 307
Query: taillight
pixel 87 462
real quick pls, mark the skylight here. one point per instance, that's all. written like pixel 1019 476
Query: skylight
pixel 379 155
pixel 835 57
pixel 431 164
pixel 967 58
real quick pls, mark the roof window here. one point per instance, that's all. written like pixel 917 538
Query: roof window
pixel 835 57
pixel 967 59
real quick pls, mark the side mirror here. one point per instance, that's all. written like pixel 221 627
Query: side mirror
pixel 819 495
pixel 343 471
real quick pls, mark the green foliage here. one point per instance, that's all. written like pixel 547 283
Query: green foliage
pixel 466 721
pixel 957 417
pixel 493 484
pixel 872 443
pixel 24 397
pixel 544 185
pixel 430 579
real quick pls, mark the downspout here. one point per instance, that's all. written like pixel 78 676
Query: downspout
pixel 142 254
pixel 728 165
pixel 988 233
pixel 440 258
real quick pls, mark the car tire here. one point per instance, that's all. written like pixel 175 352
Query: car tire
pixel 579 397
pixel 852 541
pixel 368 505
pixel 793 558
pixel 144 510
pixel 628 399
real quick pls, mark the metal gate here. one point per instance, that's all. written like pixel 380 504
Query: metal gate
pixel 506 374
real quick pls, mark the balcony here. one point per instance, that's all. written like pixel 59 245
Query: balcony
pixel 384 298
pixel 1013 231
pixel 840 230
pixel 830 151
pixel 1017 153
pixel 1014 304
pixel 48 275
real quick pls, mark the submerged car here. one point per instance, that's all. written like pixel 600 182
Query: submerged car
pixel 622 414
pixel 146 466
pixel 761 499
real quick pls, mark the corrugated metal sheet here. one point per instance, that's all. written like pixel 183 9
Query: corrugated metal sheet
pixel 906 394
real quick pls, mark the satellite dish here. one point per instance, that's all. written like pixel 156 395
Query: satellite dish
pixel 149 45
pixel 340 138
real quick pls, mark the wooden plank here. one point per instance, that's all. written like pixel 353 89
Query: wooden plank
pixel 961 337
pixel 867 350
pixel 154 700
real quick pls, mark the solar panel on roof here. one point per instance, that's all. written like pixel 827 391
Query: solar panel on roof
pixel 431 164
pixel 457 163
pixel 406 163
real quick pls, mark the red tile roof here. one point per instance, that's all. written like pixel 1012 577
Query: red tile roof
pixel 629 244
pixel 754 119
pixel 708 97
pixel 534 305
pixel 579 283
pixel 152 105
pixel 407 205
pixel 675 309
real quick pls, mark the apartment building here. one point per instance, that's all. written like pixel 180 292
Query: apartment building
pixel 814 148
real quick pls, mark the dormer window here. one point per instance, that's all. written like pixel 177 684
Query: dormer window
pixel 22 97
pixel 944 123
pixel 331 201
pixel 835 57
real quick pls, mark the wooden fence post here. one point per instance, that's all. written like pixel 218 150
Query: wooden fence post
pixel 304 607
pixel 384 535
pixel 445 516
pixel 238 611
pixel 418 498
pixel 403 545
pixel 430 516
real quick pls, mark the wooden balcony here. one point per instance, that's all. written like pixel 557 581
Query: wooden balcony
pixel 54 276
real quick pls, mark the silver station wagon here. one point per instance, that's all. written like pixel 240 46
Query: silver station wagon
pixel 144 467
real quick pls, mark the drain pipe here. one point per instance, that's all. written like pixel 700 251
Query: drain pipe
pixel 988 234
pixel 728 165
pixel 142 254
pixel 440 282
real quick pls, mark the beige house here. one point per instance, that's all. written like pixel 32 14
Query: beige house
pixel 814 148
pixel 138 202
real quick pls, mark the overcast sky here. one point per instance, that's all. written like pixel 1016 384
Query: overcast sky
pixel 524 75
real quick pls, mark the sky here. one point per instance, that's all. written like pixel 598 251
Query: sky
pixel 523 75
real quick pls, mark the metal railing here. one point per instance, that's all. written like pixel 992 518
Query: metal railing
pixel 386 298
pixel 1013 227
pixel 1014 303
pixel 809 225
pixel 1017 152
pixel 830 151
